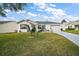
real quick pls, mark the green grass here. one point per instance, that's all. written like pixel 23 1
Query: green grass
pixel 73 31
pixel 45 44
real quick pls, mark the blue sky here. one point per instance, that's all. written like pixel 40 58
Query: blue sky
pixel 46 12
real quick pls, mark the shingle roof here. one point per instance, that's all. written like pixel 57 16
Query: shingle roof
pixel 46 22
pixel 2 22
pixel 39 22
pixel 24 20
pixel 20 21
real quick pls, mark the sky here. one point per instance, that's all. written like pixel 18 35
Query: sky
pixel 54 12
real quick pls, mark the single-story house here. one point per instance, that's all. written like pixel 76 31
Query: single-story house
pixel 26 26
pixel 70 25
pixel 8 26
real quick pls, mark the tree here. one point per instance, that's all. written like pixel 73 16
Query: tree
pixel 63 21
pixel 11 6
pixel 33 30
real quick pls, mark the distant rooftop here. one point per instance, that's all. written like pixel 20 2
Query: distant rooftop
pixel 38 22
pixel 2 22
pixel 46 22
pixel 27 20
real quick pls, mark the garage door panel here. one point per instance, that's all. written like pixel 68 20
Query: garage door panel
pixel 55 28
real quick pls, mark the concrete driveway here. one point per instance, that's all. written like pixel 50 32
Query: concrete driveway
pixel 72 37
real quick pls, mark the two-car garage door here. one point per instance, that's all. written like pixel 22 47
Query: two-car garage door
pixel 55 28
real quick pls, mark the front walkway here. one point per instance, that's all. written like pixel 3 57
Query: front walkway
pixel 72 37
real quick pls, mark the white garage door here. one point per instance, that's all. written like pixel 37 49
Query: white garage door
pixel 55 28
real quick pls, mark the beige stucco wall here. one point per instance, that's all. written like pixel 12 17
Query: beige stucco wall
pixel 48 27
pixel 8 27
pixel 64 26
pixel 0 28
pixel 23 30
pixel 52 27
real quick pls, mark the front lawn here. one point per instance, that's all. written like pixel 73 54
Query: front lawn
pixel 45 44
pixel 73 31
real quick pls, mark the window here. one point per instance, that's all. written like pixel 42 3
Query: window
pixel 41 27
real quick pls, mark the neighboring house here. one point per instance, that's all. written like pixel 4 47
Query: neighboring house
pixel 70 25
pixel 26 26
pixel 7 26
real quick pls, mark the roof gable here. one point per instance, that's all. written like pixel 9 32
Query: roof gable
pixel 24 20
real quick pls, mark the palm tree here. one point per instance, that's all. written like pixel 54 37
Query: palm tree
pixel 11 6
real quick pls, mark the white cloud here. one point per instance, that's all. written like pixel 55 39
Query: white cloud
pixel 7 10
pixel 32 7
pixel 48 18
pixel 55 11
pixel 71 18
pixel 53 5
pixel 31 14
pixel 59 12
pixel 41 5
pixel 49 9
pixel 39 10
pixel 19 12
